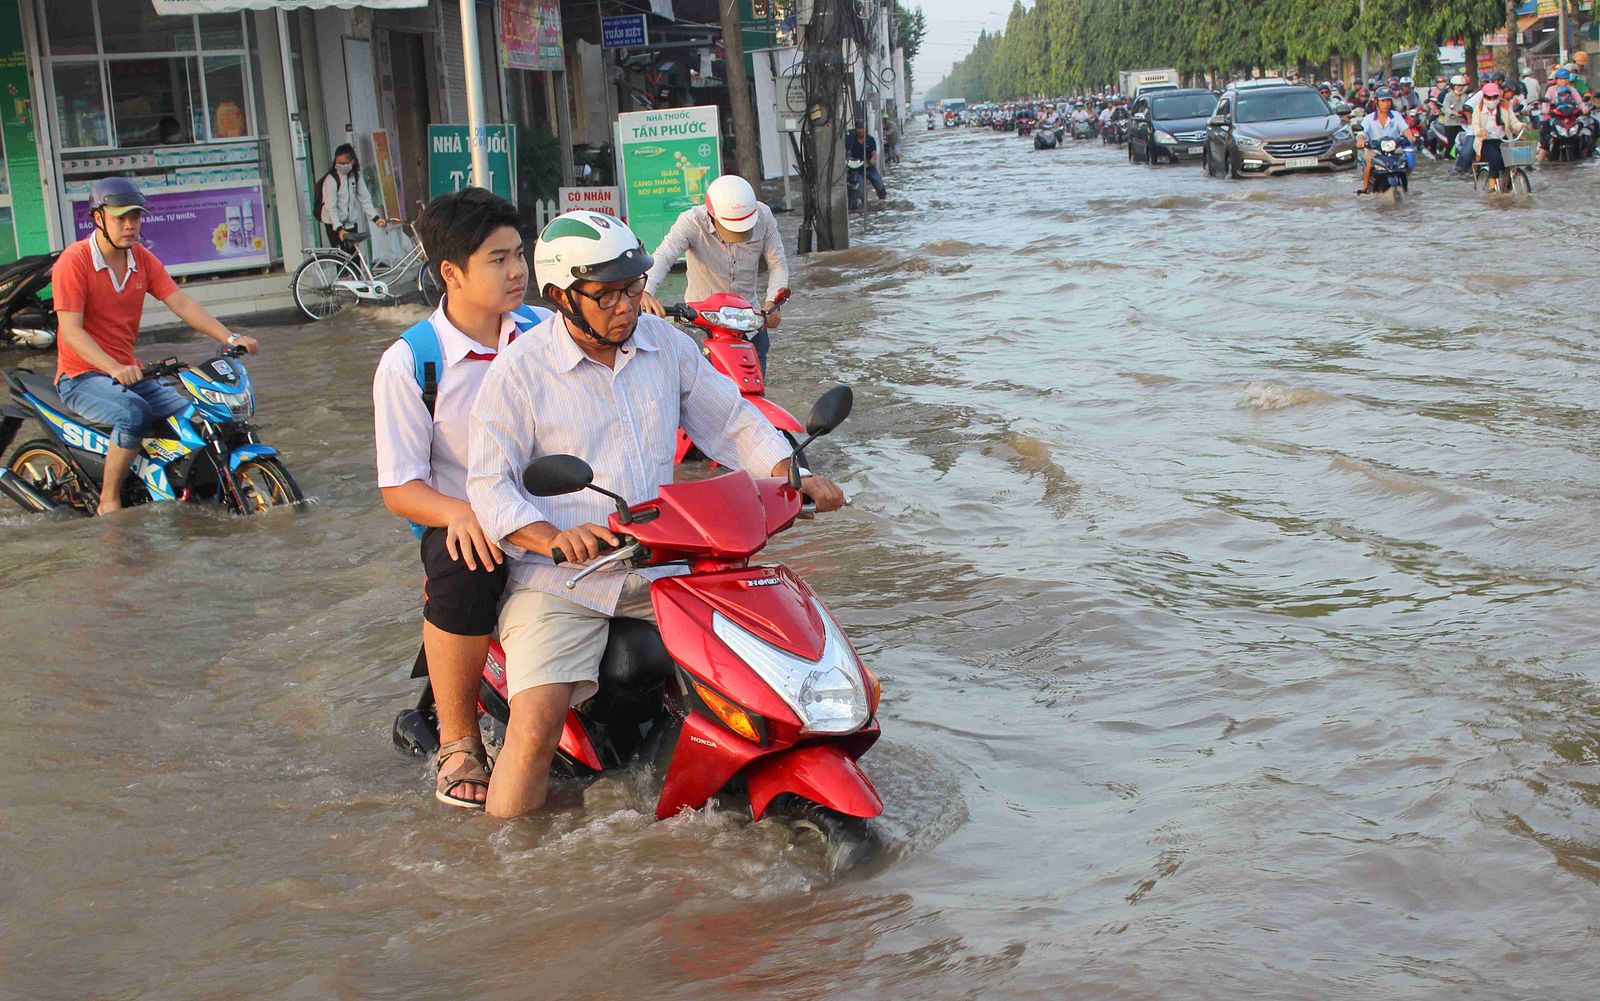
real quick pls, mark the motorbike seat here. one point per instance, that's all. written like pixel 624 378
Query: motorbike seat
pixel 43 387
pixel 30 264
pixel 635 659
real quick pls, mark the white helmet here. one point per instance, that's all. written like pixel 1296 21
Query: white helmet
pixel 732 203
pixel 1458 81
pixel 582 245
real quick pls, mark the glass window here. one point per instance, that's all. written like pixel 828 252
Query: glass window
pixel 130 26
pixel 154 101
pixel 225 92
pixel 71 27
pixel 221 31
pixel 1182 106
pixel 80 105
pixel 1281 105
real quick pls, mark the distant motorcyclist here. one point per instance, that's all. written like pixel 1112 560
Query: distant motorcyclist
pixel 1562 96
pixel 858 145
pixel 1453 111
pixel 1382 123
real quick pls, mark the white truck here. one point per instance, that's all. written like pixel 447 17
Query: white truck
pixel 1131 83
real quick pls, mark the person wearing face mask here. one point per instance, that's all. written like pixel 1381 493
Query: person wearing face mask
pixel 343 200
pixel 1492 124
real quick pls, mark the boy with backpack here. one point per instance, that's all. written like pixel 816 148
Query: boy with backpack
pixel 422 397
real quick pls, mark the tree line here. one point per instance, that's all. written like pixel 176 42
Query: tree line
pixel 1065 46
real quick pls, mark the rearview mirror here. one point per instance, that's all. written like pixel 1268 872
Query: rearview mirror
pixel 781 298
pixel 1140 116
pixel 554 475
pixel 830 411
pixel 1217 121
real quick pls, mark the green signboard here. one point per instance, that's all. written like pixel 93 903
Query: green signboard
pixel 668 158
pixel 450 159
pixel 17 108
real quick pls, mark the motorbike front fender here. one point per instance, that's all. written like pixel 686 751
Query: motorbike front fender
pixel 825 774
pixel 244 453
pixel 780 418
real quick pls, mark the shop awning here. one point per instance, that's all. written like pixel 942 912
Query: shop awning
pixel 186 7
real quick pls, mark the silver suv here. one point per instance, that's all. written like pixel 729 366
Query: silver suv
pixel 1273 130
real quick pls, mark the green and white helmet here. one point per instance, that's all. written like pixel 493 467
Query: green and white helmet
pixel 587 246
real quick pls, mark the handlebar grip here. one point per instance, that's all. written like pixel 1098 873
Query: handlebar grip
pixel 558 557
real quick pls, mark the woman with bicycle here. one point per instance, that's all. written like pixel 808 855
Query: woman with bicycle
pixel 1493 123
pixel 343 200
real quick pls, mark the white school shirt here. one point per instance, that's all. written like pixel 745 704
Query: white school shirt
pixel 413 446
pixel 547 397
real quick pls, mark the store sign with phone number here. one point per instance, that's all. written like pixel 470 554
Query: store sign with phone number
pixel 196 232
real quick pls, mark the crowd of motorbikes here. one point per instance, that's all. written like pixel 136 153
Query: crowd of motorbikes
pixel 1567 129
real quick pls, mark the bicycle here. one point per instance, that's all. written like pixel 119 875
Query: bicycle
pixel 332 278
pixel 1519 157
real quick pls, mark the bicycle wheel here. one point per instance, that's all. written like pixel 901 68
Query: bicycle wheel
pixel 428 285
pixel 1520 182
pixel 314 289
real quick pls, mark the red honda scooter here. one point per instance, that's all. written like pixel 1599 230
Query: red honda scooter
pixel 747 687
pixel 731 319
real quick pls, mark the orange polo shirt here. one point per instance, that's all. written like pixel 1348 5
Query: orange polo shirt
pixel 82 283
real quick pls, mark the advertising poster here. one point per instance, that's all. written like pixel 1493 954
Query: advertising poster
pixel 668 157
pixel 193 232
pixel 450 159
pixel 530 35
pixel 383 162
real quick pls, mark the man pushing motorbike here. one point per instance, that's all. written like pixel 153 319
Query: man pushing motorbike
pixel 603 383
pixel 726 241
pixel 99 285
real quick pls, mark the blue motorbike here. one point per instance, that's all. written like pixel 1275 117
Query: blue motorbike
pixel 206 453
pixel 1391 169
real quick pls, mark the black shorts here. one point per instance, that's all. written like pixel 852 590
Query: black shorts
pixel 460 601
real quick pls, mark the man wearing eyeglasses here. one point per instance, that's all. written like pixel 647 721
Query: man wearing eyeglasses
pixel 612 387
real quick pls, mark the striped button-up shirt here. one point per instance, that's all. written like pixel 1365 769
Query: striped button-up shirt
pixel 715 266
pixel 544 396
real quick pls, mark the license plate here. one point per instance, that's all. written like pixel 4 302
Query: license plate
pixel 1197 149
pixel 1301 162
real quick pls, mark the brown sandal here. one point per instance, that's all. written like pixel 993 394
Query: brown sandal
pixel 472 769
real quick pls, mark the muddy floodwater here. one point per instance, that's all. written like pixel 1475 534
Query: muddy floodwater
pixel 1227 551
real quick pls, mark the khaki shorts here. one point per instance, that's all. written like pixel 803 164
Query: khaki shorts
pixel 551 640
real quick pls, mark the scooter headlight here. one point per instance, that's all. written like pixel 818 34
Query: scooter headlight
pixel 744 320
pixel 238 404
pixel 829 694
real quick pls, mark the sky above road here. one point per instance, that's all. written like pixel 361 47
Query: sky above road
pixel 953 26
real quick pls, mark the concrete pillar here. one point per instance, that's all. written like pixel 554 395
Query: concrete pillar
pixel 289 193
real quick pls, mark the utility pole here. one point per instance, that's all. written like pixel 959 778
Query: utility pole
pixel 477 135
pixel 1513 50
pixel 827 214
pixel 1561 27
pixel 1365 69
pixel 746 141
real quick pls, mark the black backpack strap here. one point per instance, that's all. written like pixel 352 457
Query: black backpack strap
pixel 430 386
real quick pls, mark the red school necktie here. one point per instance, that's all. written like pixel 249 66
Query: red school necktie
pixel 488 355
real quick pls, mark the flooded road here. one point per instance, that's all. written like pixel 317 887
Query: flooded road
pixel 1227 550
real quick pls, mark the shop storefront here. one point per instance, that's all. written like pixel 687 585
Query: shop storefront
pixel 170 102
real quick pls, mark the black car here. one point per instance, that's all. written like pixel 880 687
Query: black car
pixel 1170 125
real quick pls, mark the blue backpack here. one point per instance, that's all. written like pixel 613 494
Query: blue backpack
pixel 427 357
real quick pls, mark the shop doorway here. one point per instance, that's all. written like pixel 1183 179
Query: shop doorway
pixel 412 94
